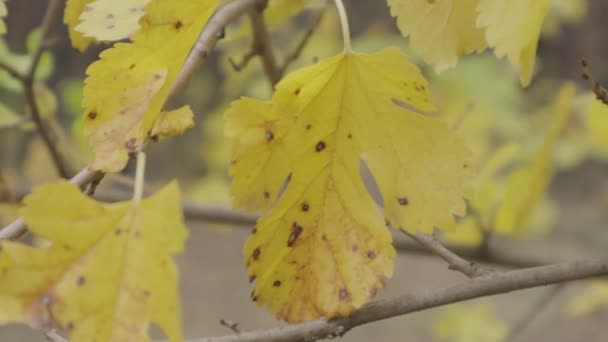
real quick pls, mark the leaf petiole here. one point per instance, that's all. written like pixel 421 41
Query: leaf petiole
pixel 138 190
pixel 345 25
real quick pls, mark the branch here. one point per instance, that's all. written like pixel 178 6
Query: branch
pixel 455 262
pixel 212 33
pixel 292 57
pixel 487 285
pixel 261 43
pixel 600 92
pixel 53 12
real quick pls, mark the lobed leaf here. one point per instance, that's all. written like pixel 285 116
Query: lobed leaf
pixel 323 250
pixel 108 272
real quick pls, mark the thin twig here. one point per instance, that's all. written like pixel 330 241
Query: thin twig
pixel 234 326
pixel 53 12
pixel 455 262
pixel 292 57
pixel 600 92
pixel 487 285
pixel 212 33
pixel 262 43
pixel 538 307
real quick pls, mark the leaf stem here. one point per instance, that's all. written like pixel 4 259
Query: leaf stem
pixel 138 191
pixel 345 26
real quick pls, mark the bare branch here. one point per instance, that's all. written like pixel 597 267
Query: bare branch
pixel 212 33
pixel 53 12
pixel 261 43
pixel 455 262
pixel 234 326
pixel 600 92
pixel 487 285
pixel 292 57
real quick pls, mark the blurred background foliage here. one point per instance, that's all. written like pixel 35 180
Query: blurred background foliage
pixel 541 152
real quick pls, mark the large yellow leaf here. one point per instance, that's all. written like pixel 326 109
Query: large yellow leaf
pixel 513 28
pixel 324 250
pixel 71 17
pixel 110 20
pixel 440 31
pixel 109 270
pixel 126 89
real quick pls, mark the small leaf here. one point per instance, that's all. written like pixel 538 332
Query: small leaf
pixel 174 123
pixel 593 298
pixel 440 31
pixel 109 270
pixel 458 323
pixel 513 29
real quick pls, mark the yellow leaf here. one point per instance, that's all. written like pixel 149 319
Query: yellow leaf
pixel 323 250
pixel 174 123
pixel 111 20
pixel 466 324
pixel 593 298
pixel 527 185
pixel 513 28
pixel 127 88
pixel 71 18
pixel 109 270
pixel 440 31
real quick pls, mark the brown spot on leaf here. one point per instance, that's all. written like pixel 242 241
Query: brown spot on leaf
pixel 266 195
pixel 117 232
pixel 277 283
pixel 403 201
pixel 178 24
pixel 254 230
pixel 296 230
pixel 131 66
pixel 81 280
pixel 305 207
pixel 269 136
pixel 320 146
pixel 109 16
pixel 92 115
pixel 111 26
pixel 308 127
pixel 69 326
pixel 354 247
pixel 137 234
pixel 343 294
pixel 349 136
pixel 371 254
pixel 256 253
pixel 324 237
pixel 297 91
